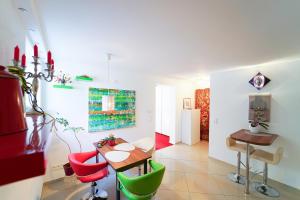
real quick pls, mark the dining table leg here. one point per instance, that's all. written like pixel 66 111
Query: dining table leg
pixel 117 188
pixel 145 167
pixel 97 156
pixel 247 168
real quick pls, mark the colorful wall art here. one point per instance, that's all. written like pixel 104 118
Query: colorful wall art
pixel 111 109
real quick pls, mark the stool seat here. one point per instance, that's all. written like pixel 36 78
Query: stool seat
pixel 145 144
pixel 268 157
pixel 89 172
pixel 94 177
pixel 241 148
pixel 233 145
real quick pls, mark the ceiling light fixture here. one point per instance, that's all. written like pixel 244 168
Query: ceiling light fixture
pixel 108 67
pixel 31 29
pixel 108 101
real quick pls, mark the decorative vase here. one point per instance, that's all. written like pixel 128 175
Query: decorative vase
pixel 255 129
pixel 111 142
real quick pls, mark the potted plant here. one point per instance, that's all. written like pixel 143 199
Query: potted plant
pixel 62 121
pixel 63 81
pixel 19 71
pixel 255 126
pixel 111 140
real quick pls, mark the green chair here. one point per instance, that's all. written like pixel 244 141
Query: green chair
pixel 142 187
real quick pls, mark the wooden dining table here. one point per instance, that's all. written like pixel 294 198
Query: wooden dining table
pixel 136 158
pixel 261 138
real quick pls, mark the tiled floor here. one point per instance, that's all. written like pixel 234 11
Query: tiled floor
pixel 190 174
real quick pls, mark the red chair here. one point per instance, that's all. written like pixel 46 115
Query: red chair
pixel 89 173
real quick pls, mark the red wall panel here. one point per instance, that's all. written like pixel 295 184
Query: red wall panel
pixel 202 102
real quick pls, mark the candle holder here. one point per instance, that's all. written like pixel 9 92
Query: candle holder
pixel 35 76
pixel 47 76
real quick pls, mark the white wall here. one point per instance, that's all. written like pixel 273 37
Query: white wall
pixel 73 105
pixel 11 33
pixel 229 113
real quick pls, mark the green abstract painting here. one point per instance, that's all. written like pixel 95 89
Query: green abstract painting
pixel 111 109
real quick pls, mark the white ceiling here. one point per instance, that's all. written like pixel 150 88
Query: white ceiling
pixel 183 38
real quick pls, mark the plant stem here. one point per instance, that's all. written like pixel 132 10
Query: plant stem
pixel 54 129
pixel 78 142
pixel 62 140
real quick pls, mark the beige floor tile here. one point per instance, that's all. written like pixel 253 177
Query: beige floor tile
pixel 187 166
pixel 171 195
pixel 201 196
pixel 173 164
pixel 174 181
pixel 195 167
pixel 286 192
pixel 203 183
pixel 244 197
pixel 219 167
pixel 183 152
pixel 227 187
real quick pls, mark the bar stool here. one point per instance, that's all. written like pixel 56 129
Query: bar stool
pixel 89 173
pixel 233 145
pixel 145 144
pixel 267 158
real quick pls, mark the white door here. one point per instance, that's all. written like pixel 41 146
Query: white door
pixel 166 111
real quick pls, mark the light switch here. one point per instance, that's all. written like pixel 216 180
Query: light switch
pixel 216 121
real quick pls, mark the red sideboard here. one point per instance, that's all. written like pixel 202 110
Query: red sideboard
pixel 22 155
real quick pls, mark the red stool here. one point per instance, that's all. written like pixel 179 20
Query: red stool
pixel 89 173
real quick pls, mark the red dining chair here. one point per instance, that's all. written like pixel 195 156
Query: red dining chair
pixel 89 173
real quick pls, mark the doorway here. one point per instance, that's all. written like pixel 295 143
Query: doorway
pixel 165 116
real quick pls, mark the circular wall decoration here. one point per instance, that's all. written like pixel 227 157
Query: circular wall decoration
pixel 259 81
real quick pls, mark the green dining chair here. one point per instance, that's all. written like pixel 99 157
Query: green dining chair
pixel 142 187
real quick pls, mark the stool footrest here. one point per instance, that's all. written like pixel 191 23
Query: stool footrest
pixel 239 179
pixel 266 189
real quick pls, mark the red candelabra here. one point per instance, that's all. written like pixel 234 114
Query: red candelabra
pixel 35 75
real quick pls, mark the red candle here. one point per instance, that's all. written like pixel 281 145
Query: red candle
pixel 52 64
pixel 16 53
pixel 23 60
pixel 49 57
pixel 35 51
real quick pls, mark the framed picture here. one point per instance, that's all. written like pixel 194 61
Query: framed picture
pixel 187 103
pixel 259 107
